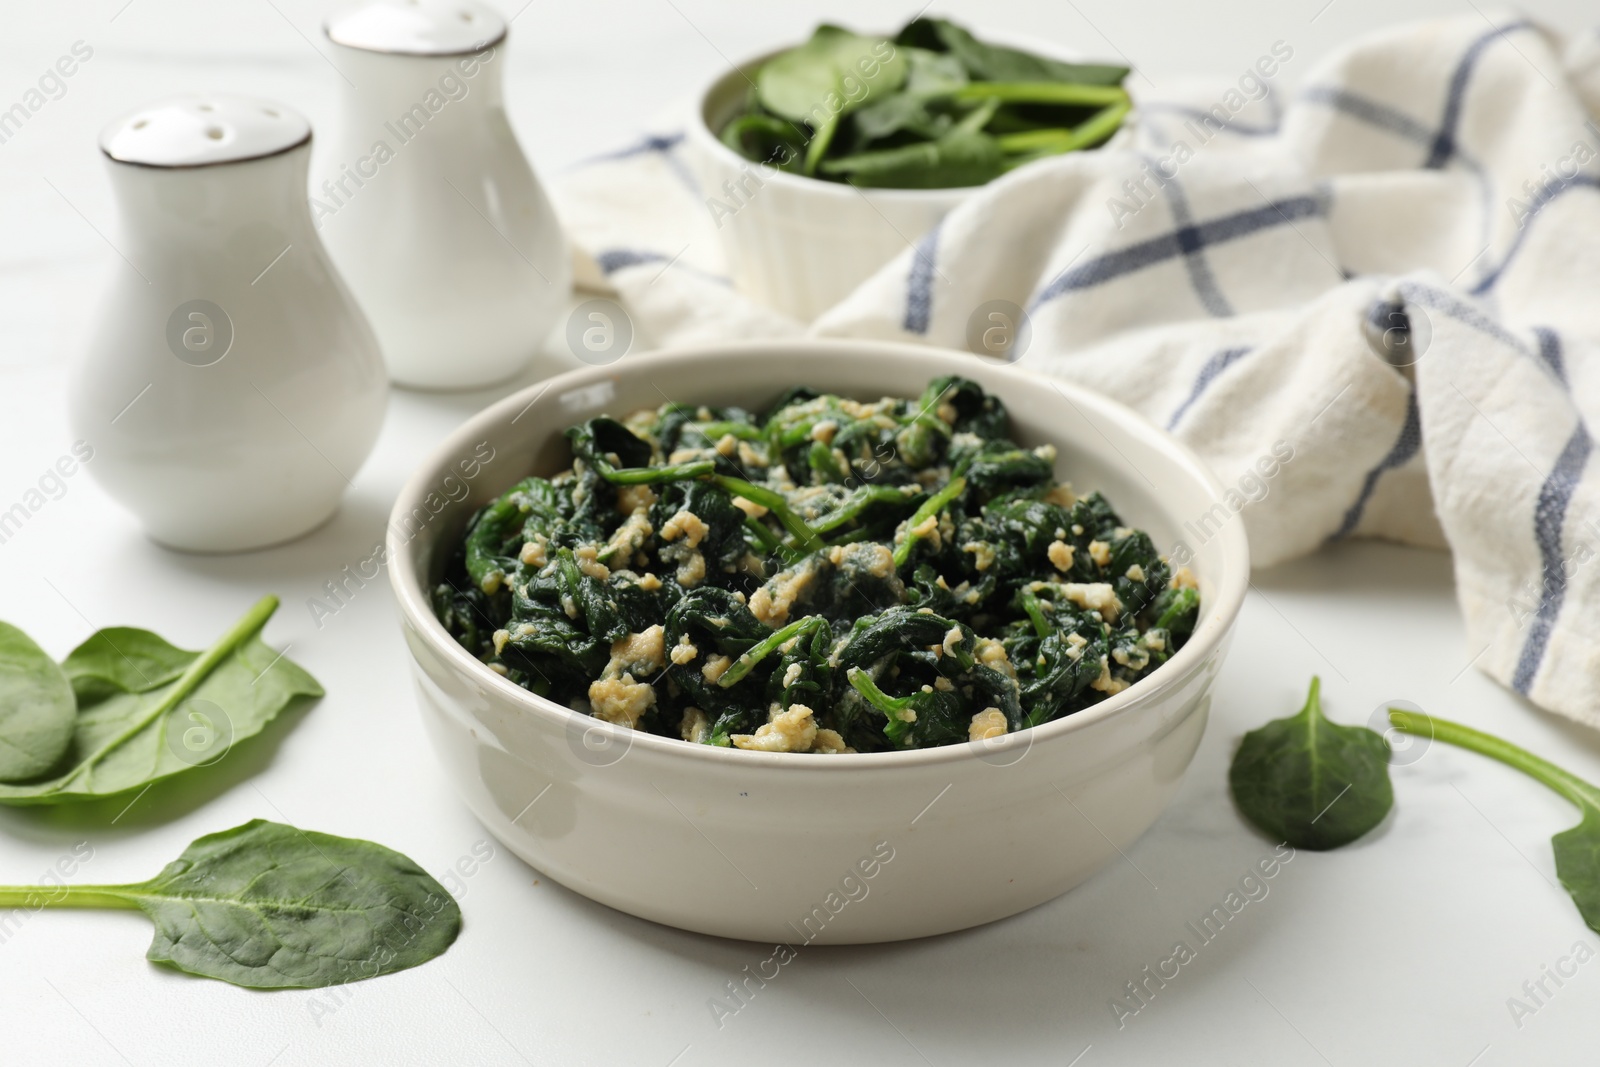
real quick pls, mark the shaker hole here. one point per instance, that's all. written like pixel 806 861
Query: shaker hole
pixel 214 132
pixel 205 107
pixel 141 124
pixel 267 111
pixel 466 16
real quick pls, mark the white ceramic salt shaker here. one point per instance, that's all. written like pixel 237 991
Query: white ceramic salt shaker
pixel 428 204
pixel 232 386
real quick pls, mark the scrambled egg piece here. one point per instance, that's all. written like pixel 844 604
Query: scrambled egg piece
pixel 685 524
pixel 794 730
pixel 771 603
pixel 990 722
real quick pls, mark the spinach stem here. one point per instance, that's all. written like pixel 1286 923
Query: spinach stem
pixel 1030 604
pixel 1035 140
pixel 857 503
pixel 249 625
pixel 821 138
pixel 758 530
pixel 931 507
pixel 1033 144
pixel 1569 785
pixel 769 644
pixel 1099 126
pixel 805 537
pixel 1043 93
pixel 655 475
pixel 69 896
pixel 863 684
pixel 895 709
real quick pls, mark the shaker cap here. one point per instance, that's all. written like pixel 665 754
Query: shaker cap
pixel 417 27
pixel 202 129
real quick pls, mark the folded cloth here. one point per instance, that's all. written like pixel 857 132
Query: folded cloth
pixel 1374 309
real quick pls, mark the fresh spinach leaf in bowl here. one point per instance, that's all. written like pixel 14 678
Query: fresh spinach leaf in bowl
pixel 828 576
pixel 933 108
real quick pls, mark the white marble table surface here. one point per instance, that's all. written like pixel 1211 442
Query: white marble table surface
pixel 1401 949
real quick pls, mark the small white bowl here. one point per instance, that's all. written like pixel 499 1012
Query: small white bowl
pixel 801 848
pixel 797 244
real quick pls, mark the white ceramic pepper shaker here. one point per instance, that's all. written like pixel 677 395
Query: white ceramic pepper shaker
pixel 232 386
pixel 429 206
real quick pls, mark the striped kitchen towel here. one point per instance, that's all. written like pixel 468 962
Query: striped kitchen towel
pixel 1371 303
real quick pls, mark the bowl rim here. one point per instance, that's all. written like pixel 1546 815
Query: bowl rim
pixel 699 132
pixel 1219 609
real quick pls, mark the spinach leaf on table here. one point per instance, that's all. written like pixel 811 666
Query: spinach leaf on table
pixel 1577 851
pixel 1311 782
pixel 147 710
pixel 122 659
pixel 36 707
pixel 267 906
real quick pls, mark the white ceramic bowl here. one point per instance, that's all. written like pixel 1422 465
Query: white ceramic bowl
pixel 797 244
pixel 795 848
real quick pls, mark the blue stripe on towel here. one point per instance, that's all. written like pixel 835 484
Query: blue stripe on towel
pixel 642 147
pixel 1555 494
pixel 1404 448
pixel 611 260
pixel 1194 259
pixel 1444 143
pixel 1490 279
pixel 1371 112
pixel 662 145
pixel 614 259
pixel 919 283
pixel 1550 352
pixel 1462 312
pixel 1147 253
pixel 1214 366
pixel 1549 515
pixel 1404 126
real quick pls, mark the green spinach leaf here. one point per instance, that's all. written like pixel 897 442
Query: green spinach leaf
pixel 147 710
pixel 935 108
pixel 1577 850
pixel 997 63
pixel 835 70
pixel 36 708
pixel 931 77
pixel 267 906
pixel 122 659
pixel 956 160
pixel 1310 782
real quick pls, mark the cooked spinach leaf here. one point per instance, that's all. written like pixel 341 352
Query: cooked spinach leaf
pixel 147 710
pixel 1311 782
pixel 36 708
pixel 1577 851
pixel 933 108
pixel 267 906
